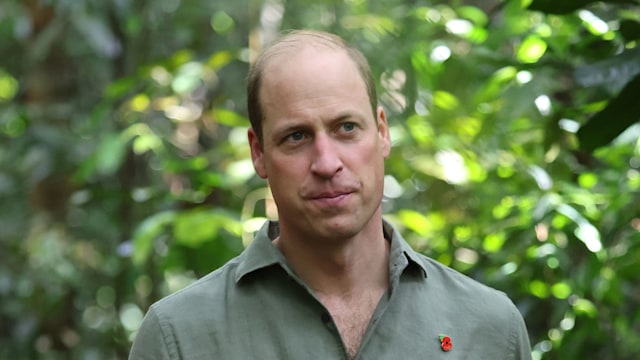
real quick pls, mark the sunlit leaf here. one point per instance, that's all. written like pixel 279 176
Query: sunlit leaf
pixel 493 242
pixel 587 180
pixel 421 224
pixel 539 289
pixel 219 59
pixel 475 14
pixel 415 221
pixel 195 227
pixel 583 306
pixel 8 86
pixel 146 142
pixel 531 49
pixel 229 118
pixel 445 100
pixel 139 102
pixel 561 290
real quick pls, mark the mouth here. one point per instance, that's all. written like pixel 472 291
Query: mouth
pixel 330 195
pixel 331 199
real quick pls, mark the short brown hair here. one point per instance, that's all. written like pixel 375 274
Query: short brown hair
pixel 294 40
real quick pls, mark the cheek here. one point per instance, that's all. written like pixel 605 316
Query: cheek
pixel 285 169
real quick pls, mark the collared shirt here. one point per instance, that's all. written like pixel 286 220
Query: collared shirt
pixel 256 307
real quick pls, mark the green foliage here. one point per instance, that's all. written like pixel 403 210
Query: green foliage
pixel 125 172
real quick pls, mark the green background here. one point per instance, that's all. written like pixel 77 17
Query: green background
pixel 125 172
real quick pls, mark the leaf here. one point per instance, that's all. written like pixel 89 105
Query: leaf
pixel 110 154
pixel 98 34
pixel 188 77
pixel 565 6
pixel 147 232
pixel 414 221
pixel 8 86
pixel 445 100
pixel 621 112
pixel 120 88
pixel 219 59
pixel 195 227
pixel 630 29
pixel 613 73
pixel 493 242
pixel 229 118
pixel 583 306
pixel 531 49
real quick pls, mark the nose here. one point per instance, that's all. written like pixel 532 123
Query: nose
pixel 326 161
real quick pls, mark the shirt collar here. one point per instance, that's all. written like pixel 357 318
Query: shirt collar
pixel 401 254
pixel 262 253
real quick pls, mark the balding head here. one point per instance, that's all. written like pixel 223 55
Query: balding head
pixel 291 43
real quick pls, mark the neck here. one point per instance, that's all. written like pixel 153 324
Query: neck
pixel 340 268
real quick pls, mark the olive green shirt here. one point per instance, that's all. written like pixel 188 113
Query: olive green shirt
pixel 255 307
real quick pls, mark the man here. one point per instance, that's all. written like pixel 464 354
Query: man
pixel 331 279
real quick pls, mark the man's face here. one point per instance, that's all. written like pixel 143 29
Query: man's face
pixel 323 149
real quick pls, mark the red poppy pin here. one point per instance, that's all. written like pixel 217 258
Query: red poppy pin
pixel 445 343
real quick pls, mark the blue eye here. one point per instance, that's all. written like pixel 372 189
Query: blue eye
pixel 296 136
pixel 349 126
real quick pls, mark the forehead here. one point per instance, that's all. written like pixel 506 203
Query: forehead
pixel 312 83
pixel 308 66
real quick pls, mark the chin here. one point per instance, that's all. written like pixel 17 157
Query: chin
pixel 341 230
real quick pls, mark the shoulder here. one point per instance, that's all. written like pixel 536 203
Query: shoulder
pixel 202 293
pixel 456 281
pixel 488 315
pixel 465 294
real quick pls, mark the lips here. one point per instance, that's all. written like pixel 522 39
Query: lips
pixel 330 199
pixel 330 195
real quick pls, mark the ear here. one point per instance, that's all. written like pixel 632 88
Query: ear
pixel 257 155
pixel 383 131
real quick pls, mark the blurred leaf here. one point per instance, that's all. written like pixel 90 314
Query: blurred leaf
pixel 445 100
pixel 99 36
pixel 583 306
pixel 375 23
pixel 630 29
pixel 474 14
pixel 195 227
pixel 147 232
pixel 493 242
pixel 561 290
pixel 8 86
pixel 539 289
pixel 619 114
pixel 566 6
pixel 221 22
pixel 414 221
pixel 110 154
pixel 531 49
pixel 613 73
pixel 421 224
pixel 220 59
pixel 229 118
pixel 188 77
pixel 120 87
